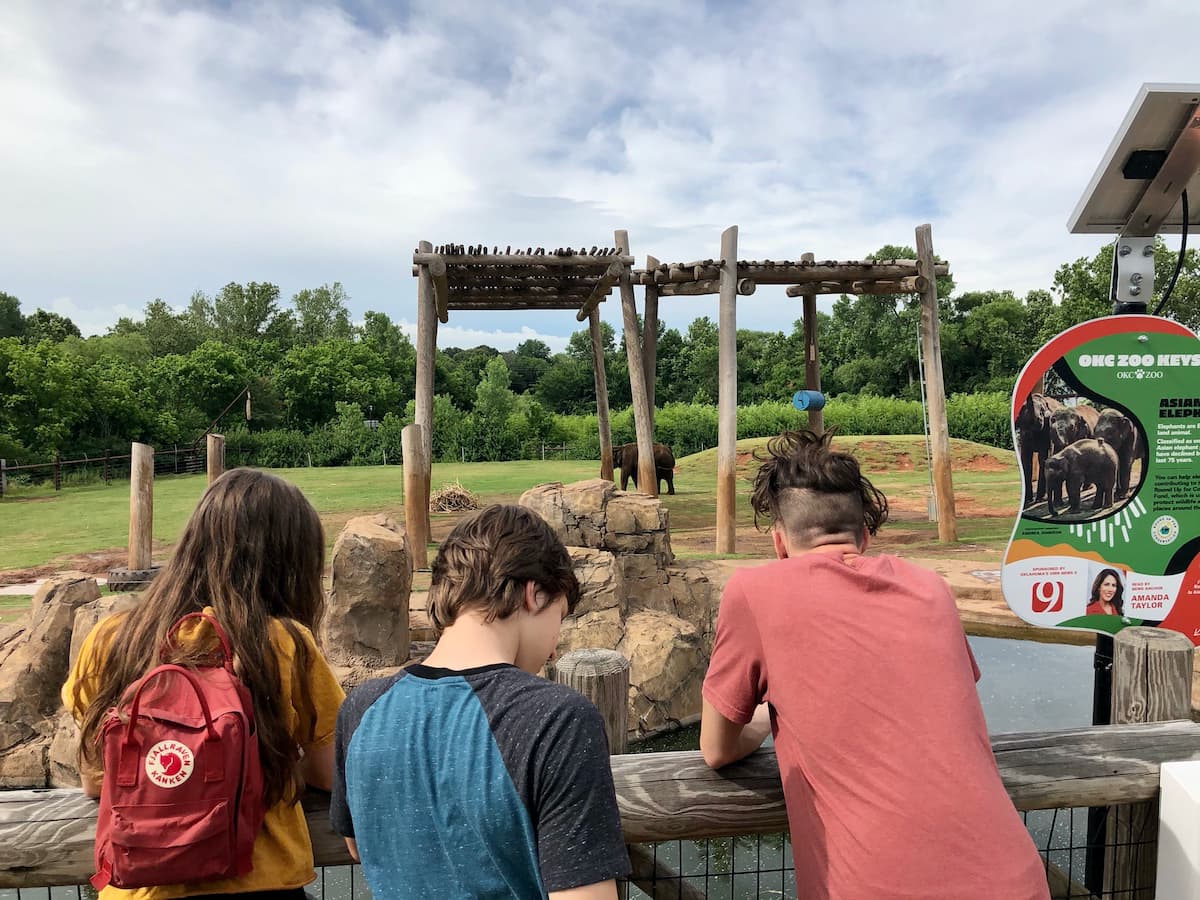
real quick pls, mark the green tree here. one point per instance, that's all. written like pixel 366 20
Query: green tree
pixel 12 323
pixel 494 402
pixel 43 325
pixel 244 312
pixel 322 314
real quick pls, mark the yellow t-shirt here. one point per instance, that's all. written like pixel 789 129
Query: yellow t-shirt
pixel 282 852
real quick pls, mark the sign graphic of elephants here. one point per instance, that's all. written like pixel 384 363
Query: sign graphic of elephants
pixel 1106 425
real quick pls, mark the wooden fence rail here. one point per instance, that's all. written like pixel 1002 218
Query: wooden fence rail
pixel 46 835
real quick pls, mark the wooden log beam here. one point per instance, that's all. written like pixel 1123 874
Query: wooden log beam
pixel 47 835
pixel 727 395
pixel 575 261
pixel 642 422
pixel 935 394
pixel 650 338
pixel 812 363
pixel 797 274
pixel 745 287
pixel 427 325
pixel 441 287
pixel 516 303
pixel 911 285
pixel 600 379
pixel 600 290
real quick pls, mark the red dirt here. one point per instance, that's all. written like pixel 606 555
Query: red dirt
pixel 982 462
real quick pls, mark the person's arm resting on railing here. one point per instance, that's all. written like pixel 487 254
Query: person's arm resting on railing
pixel 735 719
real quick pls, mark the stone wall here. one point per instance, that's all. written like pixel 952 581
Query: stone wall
pixel 635 599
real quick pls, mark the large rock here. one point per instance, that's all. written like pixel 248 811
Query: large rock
pixel 31 675
pixel 600 629
pixel 88 614
pixel 366 622
pixel 667 662
pixel 599 583
pixel 595 514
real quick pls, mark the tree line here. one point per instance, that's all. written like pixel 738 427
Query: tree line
pixel 319 381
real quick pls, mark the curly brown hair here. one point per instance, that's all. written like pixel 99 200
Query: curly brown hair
pixel 814 490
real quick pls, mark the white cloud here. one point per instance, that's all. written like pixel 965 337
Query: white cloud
pixel 458 336
pixel 155 148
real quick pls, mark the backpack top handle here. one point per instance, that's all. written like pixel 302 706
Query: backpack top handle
pixel 213 623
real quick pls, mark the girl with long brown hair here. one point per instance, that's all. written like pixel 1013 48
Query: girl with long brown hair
pixel 251 556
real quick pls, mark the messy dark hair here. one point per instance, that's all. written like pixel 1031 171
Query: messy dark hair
pixel 488 559
pixel 813 490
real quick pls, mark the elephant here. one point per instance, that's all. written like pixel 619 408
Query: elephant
pixel 1089 461
pixel 1033 440
pixel 1070 424
pixel 1118 431
pixel 625 458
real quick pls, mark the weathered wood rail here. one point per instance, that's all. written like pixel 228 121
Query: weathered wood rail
pixel 46 835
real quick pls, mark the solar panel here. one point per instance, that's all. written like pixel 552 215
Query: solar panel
pixel 1154 157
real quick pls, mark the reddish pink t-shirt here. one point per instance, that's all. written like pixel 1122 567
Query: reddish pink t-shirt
pixel 891 787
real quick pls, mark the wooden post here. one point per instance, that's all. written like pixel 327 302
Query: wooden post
pixel 727 396
pixel 1152 682
pixel 4 479
pixel 106 472
pixel 57 471
pixel 600 377
pixel 141 506
pixel 427 326
pixel 603 677
pixel 642 422
pixel 415 493
pixel 650 339
pixel 216 457
pixel 935 392
pixel 812 363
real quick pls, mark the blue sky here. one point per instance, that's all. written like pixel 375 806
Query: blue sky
pixel 155 149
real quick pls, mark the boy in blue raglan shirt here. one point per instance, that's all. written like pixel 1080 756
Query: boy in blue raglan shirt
pixel 467 775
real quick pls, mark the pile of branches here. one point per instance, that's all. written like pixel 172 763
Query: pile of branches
pixel 452 497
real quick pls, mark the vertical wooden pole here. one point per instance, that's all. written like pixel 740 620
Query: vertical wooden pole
pixel 141 506
pixel 427 326
pixel 1152 682
pixel 600 377
pixel 57 471
pixel 647 479
pixel 4 478
pixel 106 472
pixel 412 445
pixel 935 390
pixel 727 396
pixel 812 362
pixel 216 457
pixel 650 340
pixel 603 677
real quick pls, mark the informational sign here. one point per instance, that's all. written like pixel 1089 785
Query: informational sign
pixel 1106 425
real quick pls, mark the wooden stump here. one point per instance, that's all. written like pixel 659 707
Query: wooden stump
pixel 1152 680
pixel 603 677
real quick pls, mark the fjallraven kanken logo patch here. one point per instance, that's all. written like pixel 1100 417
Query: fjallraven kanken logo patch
pixel 169 764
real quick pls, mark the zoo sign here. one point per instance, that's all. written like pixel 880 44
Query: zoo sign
pixel 1106 425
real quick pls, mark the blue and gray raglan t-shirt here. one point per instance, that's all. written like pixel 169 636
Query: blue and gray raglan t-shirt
pixel 486 782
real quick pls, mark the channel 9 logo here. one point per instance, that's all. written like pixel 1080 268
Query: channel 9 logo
pixel 1047 596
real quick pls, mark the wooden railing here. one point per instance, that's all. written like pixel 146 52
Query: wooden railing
pixel 46 835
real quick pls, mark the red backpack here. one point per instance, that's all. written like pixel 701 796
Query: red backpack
pixel 182 794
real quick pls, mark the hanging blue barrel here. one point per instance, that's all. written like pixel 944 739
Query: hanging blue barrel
pixel 806 400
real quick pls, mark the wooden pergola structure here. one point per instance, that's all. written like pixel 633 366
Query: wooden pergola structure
pixel 455 277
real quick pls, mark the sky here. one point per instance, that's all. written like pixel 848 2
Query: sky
pixel 154 149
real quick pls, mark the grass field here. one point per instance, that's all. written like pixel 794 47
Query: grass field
pixel 42 528
pixel 13 606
